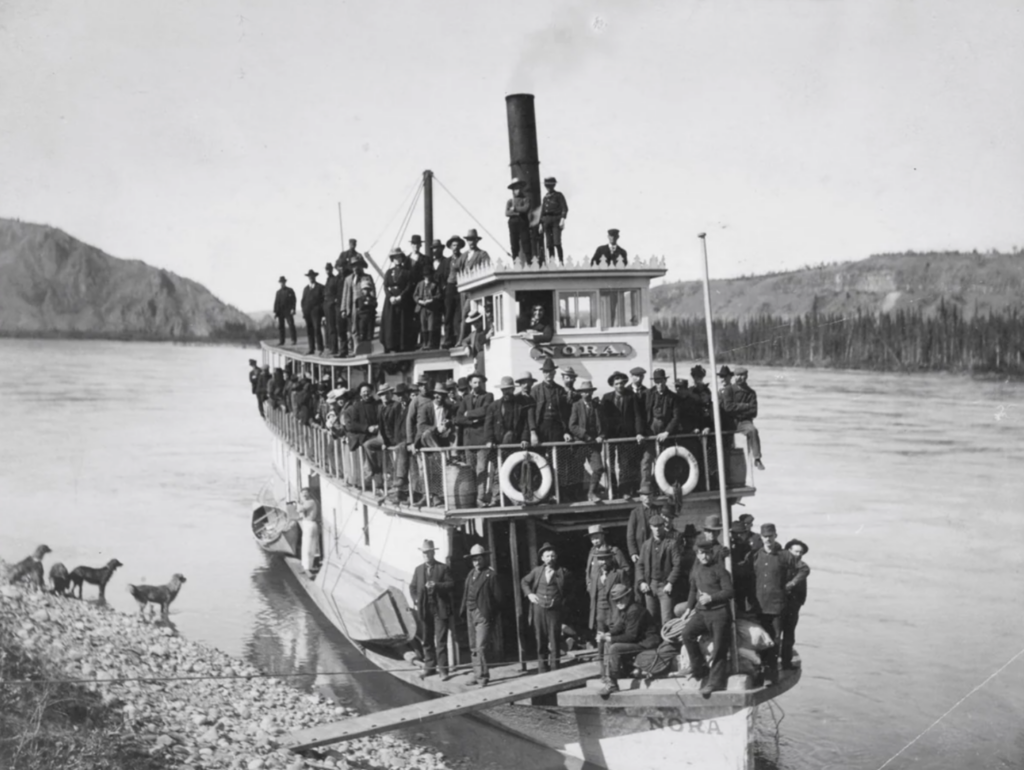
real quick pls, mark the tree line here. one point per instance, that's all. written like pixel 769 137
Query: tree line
pixel 906 340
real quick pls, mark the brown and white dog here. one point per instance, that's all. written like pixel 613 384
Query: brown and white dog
pixel 97 576
pixel 60 581
pixel 162 595
pixel 30 567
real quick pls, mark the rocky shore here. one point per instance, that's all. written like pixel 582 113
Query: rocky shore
pixel 167 701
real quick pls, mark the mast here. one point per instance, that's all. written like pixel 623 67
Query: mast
pixel 428 214
pixel 719 448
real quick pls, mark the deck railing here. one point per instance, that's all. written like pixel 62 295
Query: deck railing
pixel 445 479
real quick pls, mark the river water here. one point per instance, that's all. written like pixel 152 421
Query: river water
pixel 909 490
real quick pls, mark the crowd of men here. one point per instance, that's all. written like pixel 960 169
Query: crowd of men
pixel 403 418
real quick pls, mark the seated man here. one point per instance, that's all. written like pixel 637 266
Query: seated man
pixel 739 400
pixel 537 328
pixel 707 611
pixel 633 630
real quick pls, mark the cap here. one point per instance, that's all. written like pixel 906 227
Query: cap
pixel 638 370
pixel 516 182
pixel 613 231
pixel 747 517
pixel 657 520
pixel 706 545
pixel 658 375
pixel 737 527
pixel 768 529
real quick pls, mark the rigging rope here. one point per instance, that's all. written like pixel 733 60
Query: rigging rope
pixel 408 218
pixel 478 222
pixel 405 198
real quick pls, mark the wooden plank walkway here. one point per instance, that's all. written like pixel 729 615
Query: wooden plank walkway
pixel 439 708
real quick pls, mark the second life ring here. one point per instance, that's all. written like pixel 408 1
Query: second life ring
pixel 516 459
pixel 668 454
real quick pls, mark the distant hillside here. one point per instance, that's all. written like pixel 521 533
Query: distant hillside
pixel 883 283
pixel 53 284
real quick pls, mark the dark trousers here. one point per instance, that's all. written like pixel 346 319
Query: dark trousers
pixel 313 331
pixel 260 397
pixel 773 625
pixel 717 623
pixel 614 656
pixel 290 320
pixel 479 643
pixel 547 623
pixel 364 326
pixel 790 617
pixel 434 640
pixel 519 238
pixel 331 321
pixel 552 235
pixel 477 460
pixel 658 603
pixel 452 314
pixel 344 322
pixel 430 328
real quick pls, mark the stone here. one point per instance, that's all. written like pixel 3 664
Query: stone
pixel 164 740
pixel 255 764
pixel 210 736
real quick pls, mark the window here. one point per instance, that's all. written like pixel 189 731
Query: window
pixel 496 312
pixel 576 310
pixel 620 307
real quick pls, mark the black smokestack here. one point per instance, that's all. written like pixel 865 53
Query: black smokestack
pixel 522 143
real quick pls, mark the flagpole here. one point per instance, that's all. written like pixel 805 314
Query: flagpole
pixel 341 227
pixel 719 448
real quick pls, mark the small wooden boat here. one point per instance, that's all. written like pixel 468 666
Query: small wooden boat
pixel 275 531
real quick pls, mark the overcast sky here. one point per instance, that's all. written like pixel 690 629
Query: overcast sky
pixel 216 139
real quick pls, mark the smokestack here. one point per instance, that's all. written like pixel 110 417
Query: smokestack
pixel 522 143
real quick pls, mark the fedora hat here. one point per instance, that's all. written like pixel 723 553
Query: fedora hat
pixel 282 279
pixel 568 371
pixel 472 235
pixel 428 545
pixel 526 377
pixel 617 376
pixel 713 522
pixel 506 382
pixel 480 375
pixel 545 547
pixel 619 592
pixel 548 366
pixel 658 375
pixel 585 386
pixel 688 531
pixel 724 371
pixel 457 240
pixel 312 274
pixel 737 528
pixel 396 253
pixel 401 389
pixel 477 550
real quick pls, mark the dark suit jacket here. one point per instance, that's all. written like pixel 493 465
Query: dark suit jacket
pixel 629 421
pixel 312 298
pixel 551 401
pixel 486 591
pixel 532 582
pixel 442 576
pixel 472 417
pixel 586 424
pixel 604 252
pixel 426 417
pixel 664 407
pixel 361 417
pixel 660 561
pixel 599 593
pixel 513 424
pixel 284 302
pixel 392 423
pixel 332 291
pixel 635 626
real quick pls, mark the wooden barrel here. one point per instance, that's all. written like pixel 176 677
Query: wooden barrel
pixel 460 483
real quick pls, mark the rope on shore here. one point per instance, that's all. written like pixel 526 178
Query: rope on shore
pixel 952 708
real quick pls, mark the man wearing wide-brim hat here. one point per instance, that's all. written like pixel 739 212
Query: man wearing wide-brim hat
pixel 284 310
pixel 431 592
pixel 452 300
pixel 739 401
pixel 586 424
pixel 313 313
pixel 547 587
pixel 471 419
pixel 517 210
pixel 569 378
pixel 625 419
pixel 707 611
pixel 638 528
pixel 551 405
pixel 475 256
pixel 596 572
pixel 633 630
pixel 481 605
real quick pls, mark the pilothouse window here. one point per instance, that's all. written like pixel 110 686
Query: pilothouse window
pixel 620 307
pixel 576 310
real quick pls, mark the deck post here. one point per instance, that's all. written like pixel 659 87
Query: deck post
pixel 554 467
pixel 513 544
pixel 499 636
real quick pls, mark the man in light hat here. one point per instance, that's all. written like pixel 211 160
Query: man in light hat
pixel 569 377
pixel 452 301
pixel 553 211
pixel 624 418
pixel 431 591
pixel 284 310
pixel 739 400
pixel 707 611
pixel 633 630
pixel 598 547
pixel 777 572
pixel 475 256
pixel 587 425
pixel 481 605
pixel 658 570
pixel 313 313
pixel 517 210
pixel 547 587
pixel 471 419
pixel 609 253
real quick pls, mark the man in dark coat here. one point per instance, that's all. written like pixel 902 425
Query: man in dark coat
pixel 658 570
pixel 624 418
pixel 344 261
pixel 481 603
pixel 313 313
pixel 254 378
pixel 707 611
pixel 586 424
pixel 609 252
pixel 262 385
pixel 284 310
pixel 606 576
pixel 508 420
pixel 702 396
pixel 431 591
pixel 599 546
pixel 794 601
pixel 332 299
pixel 553 211
pixel 547 588
pixel 633 630
pixel 739 400
pixel 517 210
pixel 364 431
pixel 471 418
pixel 663 418
pixel 392 433
pixel 638 528
pixel 776 573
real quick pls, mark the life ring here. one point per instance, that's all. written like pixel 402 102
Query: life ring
pixel 668 454
pixel 516 459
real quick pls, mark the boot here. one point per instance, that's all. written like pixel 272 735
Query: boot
pixel 592 496
pixel 610 686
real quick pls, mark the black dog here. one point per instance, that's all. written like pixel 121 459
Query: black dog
pixel 98 577
pixel 162 595
pixel 31 567
pixel 59 579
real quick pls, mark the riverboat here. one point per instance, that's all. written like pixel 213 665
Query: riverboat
pixel 370 539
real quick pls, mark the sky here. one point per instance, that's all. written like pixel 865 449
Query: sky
pixel 216 139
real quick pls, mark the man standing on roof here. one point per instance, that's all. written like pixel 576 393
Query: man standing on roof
pixel 740 402
pixel 284 310
pixel 608 253
pixel 332 299
pixel 431 590
pixel 481 601
pixel 547 588
pixel 344 262
pixel 587 425
pixel 353 300
pixel 313 313
pixel 398 327
pixel 417 261
pixel 452 304
pixel 517 209
pixel 553 211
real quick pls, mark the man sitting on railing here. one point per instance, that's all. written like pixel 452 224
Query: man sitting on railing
pixel 364 431
pixel 586 424
pixel 740 402
pixel 471 418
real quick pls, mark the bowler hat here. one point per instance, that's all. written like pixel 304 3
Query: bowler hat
pixel 463 382
pixel 479 375
pixel 416 239
pixel 548 366
pixel 724 371
pixel 698 371
pixel 658 375
pixel 585 386
pixel 312 274
pixel 713 522
pixel 401 389
pixel 545 547
pixel 616 376
pixel 506 382
pixel 638 370
pixel 595 529
pixel 428 545
pixel 613 231
pixel 618 593
pixel 477 550
pixel 282 279
pixel 456 240
pixel 768 529
pixel 794 541
pixel 472 235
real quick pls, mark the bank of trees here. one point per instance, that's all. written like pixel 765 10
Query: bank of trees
pixel 906 340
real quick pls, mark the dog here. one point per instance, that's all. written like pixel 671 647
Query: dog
pixel 97 576
pixel 59 579
pixel 30 567
pixel 162 595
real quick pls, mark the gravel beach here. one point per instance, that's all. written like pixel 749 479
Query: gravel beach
pixel 180 703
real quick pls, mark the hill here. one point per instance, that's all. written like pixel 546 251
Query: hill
pixel 53 284
pixel 884 283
